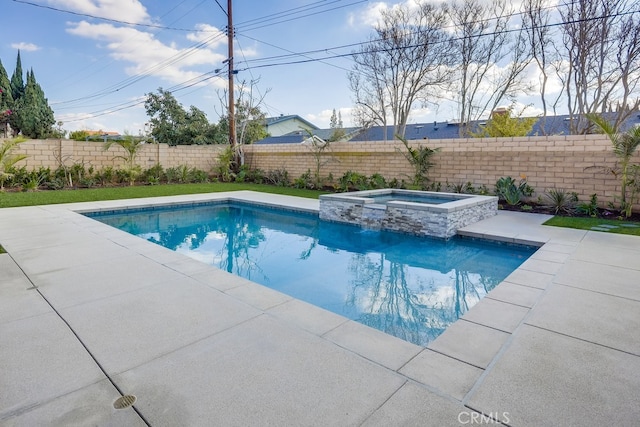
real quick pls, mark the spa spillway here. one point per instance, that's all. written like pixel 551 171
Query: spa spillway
pixel 422 213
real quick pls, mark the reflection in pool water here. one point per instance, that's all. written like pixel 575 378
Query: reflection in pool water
pixel 407 286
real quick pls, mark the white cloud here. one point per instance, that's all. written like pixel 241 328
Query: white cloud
pixel 28 47
pixel 370 15
pixel 124 10
pixel 204 32
pixel 147 54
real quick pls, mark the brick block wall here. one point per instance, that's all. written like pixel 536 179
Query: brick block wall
pixel 54 152
pixel 573 163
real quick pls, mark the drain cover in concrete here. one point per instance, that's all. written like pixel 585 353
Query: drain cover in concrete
pixel 124 402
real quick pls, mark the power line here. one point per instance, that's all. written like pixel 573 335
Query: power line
pixel 344 55
pixel 256 26
pixel 117 21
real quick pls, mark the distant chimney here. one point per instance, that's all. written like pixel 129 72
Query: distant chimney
pixel 500 111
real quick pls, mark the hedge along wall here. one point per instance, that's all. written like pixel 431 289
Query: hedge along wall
pixel 50 152
pixel 547 162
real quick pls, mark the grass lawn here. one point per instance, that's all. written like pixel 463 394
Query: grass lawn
pixel 584 223
pixel 14 199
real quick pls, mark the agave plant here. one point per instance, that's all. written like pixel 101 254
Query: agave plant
pixel 8 159
pixel 560 200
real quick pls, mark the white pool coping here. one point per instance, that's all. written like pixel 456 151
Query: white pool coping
pixel 88 313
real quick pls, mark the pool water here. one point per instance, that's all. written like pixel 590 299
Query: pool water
pixel 409 287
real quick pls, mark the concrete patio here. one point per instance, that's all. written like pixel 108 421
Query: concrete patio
pixel 89 313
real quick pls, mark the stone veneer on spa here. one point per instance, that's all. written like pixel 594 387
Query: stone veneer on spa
pixel 442 219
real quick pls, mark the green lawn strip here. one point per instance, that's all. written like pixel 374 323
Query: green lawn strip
pixel 2 251
pixel 583 223
pixel 10 199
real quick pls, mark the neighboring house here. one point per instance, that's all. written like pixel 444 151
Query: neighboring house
pixel 553 125
pixel 300 136
pixel 283 125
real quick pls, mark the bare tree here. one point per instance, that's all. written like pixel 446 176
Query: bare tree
pixel 601 40
pixel 484 42
pixel 249 118
pixel 543 50
pixel 403 63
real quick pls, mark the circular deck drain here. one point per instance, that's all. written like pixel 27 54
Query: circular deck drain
pixel 124 401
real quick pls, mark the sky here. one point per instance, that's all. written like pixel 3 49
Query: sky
pixel 97 59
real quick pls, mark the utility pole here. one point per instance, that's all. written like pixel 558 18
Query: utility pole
pixel 232 119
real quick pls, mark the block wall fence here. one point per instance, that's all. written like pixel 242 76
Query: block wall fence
pixel 564 162
pixel 51 152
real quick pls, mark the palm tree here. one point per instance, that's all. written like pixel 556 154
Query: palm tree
pixel 132 147
pixel 7 159
pixel 624 146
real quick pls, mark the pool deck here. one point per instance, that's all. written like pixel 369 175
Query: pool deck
pixel 89 313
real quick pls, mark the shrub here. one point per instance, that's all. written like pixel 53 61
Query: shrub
pixel 106 176
pixel 377 181
pixel 590 208
pixel 421 160
pixel 154 175
pixel 278 177
pixel 304 181
pixel 353 180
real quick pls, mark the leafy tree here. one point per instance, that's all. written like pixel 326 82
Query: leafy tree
pixel 33 116
pixel 249 123
pixel 173 125
pixel 335 123
pixel 504 124
pixel 79 135
pixel 624 147
pixel 6 100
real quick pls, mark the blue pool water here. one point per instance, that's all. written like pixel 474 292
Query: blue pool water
pixel 432 200
pixel 406 286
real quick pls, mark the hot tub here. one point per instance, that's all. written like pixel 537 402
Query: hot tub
pixel 423 213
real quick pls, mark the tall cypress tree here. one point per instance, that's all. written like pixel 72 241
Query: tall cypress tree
pixel 6 100
pixel 17 84
pixel 33 116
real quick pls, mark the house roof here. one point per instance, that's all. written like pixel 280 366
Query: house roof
pixel 553 125
pixel 100 132
pixel 299 136
pixel 270 121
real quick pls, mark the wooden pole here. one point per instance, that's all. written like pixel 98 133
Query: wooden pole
pixel 232 119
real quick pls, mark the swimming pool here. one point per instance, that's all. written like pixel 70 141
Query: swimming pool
pixel 410 287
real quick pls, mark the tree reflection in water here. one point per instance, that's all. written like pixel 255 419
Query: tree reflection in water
pixel 381 290
pixel 409 287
